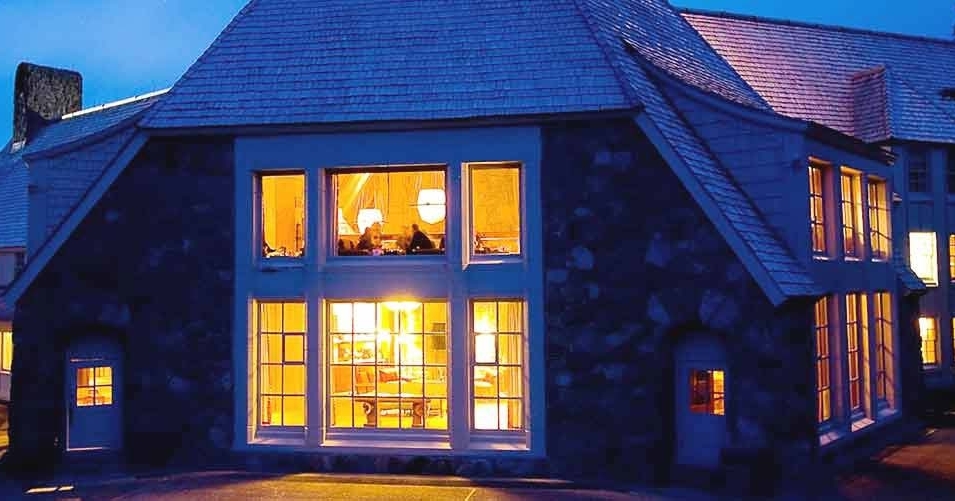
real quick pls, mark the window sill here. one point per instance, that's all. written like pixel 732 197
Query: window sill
pixel 279 264
pixel 827 437
pixel 861 424
pixel 504 441
pixel 821 257
pixel 386 261
pixel 279 437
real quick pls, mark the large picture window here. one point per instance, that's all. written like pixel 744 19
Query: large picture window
pixel 879 232
pixel 884 351
pixel 496 208
pixel 923 256
pixel 852 213
pixel 823 381
pixel 395 211
pixel 388 364
pixel 498 358
pixel 281 368
pixel 817 219
pixel 282 213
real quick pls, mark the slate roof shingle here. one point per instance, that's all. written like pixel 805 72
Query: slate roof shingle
pixel 14 178
pixel 810 71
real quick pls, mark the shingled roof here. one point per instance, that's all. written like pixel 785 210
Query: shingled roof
pixel 871 85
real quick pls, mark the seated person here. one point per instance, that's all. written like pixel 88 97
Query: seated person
pixel 371 238
pixel 419 240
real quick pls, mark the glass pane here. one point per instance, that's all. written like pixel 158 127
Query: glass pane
pixel 271 413
pixel 486 414
pixel 510 349
pixel 294 348
pixel 103 376
pixel 435 382
pixel 390 213
pixel 283 215
pixel 271 382
pixel 496 209
pixel 436 349
pixel 511 384
pixel 84 396
pixel 341 314
pixel 341 380
pixel 271 348
pixel 412 317
pixel 365 380
pixel 342 413
pixel 270 317
pixel 294 382
pixel 485 381
pixel 294 411
pixel 410 349
pixel 436 317
pixel 413 387
pixel 509 317
pixel 7 357
pixel 364 318
pixel 511 414
pixel 484 349
pixel 84 376
pixel 437 417
pixel 294 317
pixel 341 349
pixel 104 395
pixel 485 316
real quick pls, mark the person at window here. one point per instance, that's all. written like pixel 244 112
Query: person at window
pixel 419 240
pixel 403 241
pixel 370 240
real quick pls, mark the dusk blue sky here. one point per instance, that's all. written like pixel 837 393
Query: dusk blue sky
pixel 124 48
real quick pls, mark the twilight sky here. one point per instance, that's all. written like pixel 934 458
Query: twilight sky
pixel 124 48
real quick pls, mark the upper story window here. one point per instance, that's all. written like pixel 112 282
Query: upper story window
pixel 919 179
pixel 11 262
pixel 394 211
pixel 282 214
pixel 879 232
pixel 923 256
pixel 817 219
pixel 496 208
pixel 852 233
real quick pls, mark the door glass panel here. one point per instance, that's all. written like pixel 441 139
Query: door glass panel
pixel 94 386
pixel 707 392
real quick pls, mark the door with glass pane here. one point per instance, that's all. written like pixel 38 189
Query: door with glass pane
pixel 700 383
pixel 94 402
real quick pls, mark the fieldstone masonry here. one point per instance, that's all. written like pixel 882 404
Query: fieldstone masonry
pixel 150 267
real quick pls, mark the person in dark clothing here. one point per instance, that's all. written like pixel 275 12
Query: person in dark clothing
pixel 419 240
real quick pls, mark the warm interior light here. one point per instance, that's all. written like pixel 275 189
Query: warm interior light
pixel 484 349
pixel 368 217
pixel 922 256
pixel 343 227
pixel 488 415
pixel 431 205
pixel 402 305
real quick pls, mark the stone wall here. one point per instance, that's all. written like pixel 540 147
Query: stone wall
pixel 151 267
pixel 632 263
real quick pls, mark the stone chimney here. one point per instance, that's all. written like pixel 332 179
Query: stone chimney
pixel 41 95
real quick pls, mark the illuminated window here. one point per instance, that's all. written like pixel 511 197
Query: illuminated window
pixel 928 330
pixel 857 329
pixel 919 179
pixel 923 256
pixel 94 386
pixel 817 210
pixel 6 351
pixel 496 208
pixel 884 351
pixel 281 369
pixel 397 211
pixel 388 364
pixel 282 200
pixel 498 358
pixel 951 256
pixel 879 232
pixel 823 382
pixel 852 213
pixel 707 395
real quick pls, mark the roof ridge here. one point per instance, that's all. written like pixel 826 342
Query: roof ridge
pixel 622 80
pixel 808 24
pixel 114 104
pixel 195 64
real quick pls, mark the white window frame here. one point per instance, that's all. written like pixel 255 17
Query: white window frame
pixel 322 277
pixel 470 230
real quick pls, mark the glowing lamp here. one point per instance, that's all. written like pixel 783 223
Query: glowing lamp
pixel 431 204
pixel 368 217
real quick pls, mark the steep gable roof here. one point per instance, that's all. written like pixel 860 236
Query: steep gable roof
pixel 331 61
pixel 14 178
pixel 812 72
